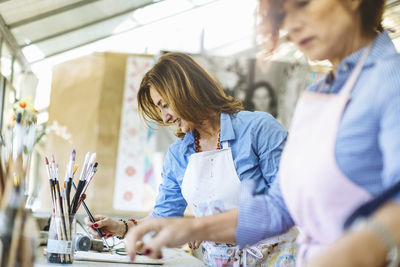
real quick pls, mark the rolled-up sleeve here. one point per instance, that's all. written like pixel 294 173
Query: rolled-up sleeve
pixel 169 202
pixel 269 139
pixel 261 216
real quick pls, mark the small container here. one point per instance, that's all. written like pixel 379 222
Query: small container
pixel 61 239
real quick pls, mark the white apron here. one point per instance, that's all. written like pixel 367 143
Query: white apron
pixel 210 186
pixel 317 194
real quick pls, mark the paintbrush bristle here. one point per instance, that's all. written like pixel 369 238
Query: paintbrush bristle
pixel 73 154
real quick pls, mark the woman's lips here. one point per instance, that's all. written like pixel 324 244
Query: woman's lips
pixel 305 42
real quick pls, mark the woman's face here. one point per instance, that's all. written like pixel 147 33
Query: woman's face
pixel 322 29
pixel 261 99
pixel 168 114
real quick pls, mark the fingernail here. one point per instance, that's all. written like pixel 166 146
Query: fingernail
pixel 159 257
pixel 131 258
pixel 95 225
pixel 147 251
pixel 109 235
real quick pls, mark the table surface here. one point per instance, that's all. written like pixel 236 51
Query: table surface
pixel 172 257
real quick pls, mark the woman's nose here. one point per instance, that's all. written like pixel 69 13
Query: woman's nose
pixel 166 117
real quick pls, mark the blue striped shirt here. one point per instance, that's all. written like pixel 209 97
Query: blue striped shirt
pixel 256 140
pixel 367 146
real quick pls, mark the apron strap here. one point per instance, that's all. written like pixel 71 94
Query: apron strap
pixel 225 144
pixel 351 81
pixel 366 209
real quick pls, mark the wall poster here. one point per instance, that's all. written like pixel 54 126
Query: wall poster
pixel 135 184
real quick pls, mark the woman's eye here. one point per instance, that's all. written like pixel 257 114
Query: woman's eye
pixel 164 106
pixel 302 3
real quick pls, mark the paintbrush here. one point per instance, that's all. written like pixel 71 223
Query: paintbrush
pixel 93 221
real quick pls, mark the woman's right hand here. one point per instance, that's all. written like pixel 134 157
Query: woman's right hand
pixel 169 232
pixel 106 225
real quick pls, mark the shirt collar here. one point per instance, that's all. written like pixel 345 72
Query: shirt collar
pixel 187 141
pixel 382 47
pixel 227 133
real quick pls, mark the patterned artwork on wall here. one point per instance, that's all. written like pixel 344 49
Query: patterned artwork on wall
pixel 135 185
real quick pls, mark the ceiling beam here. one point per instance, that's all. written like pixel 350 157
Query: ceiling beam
pixel 119 14
pixel 13 45
pixel 50 13
pixel 392 3
pixel 109 35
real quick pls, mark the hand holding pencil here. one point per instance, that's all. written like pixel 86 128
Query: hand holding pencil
pixel 83 196
pixel 106 225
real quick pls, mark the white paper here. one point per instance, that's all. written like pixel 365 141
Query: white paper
pixel 107 257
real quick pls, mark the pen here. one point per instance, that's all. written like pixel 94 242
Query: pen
pixel 93 221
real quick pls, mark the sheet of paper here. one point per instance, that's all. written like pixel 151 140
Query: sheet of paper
pixel 107 257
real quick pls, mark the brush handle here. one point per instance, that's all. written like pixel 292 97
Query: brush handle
pixel 68 183
pixel 92 219
pixel 77 195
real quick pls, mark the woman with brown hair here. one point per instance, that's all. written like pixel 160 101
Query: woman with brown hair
pixel 220 145
pixel 342 152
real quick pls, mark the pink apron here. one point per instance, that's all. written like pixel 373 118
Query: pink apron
pixel 319 197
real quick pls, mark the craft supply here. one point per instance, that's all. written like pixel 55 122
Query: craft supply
pixel 115 258
pixel 60 247
pixel 61 236
pixel 69 177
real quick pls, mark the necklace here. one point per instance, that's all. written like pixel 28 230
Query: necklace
pixel 197 141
